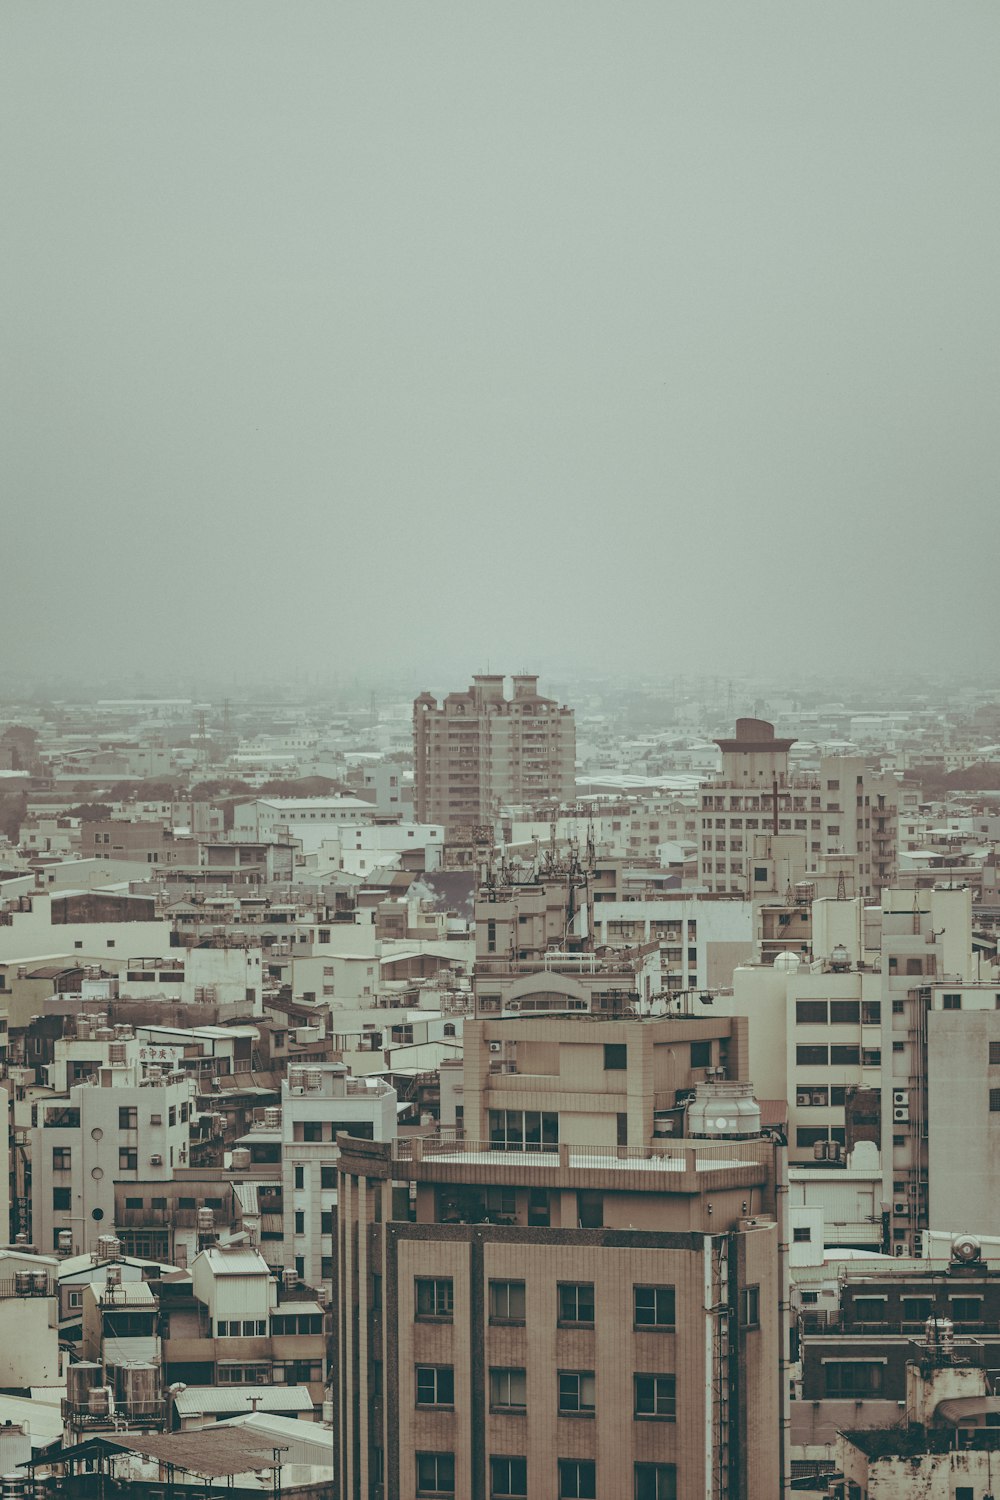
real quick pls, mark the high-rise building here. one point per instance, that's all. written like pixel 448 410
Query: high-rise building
pixel 846 809
pixel 478 751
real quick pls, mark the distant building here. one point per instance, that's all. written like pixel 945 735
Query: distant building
pixel 478 751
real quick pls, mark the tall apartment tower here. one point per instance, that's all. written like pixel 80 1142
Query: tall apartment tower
pixel 478 750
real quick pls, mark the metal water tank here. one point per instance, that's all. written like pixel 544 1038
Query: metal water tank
pixel 205 1220
pixel 81 1379
pixel 272 1118
pixel 109 1247
pixel 241 1159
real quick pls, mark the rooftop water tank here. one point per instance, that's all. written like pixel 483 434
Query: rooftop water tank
pixel 723 1111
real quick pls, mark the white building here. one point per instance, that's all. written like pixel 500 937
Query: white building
pixel 121 1128
pixel 317 1103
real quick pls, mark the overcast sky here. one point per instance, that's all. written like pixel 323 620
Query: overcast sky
pixel 548 335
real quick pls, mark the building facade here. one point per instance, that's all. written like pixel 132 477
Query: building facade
pixel 478 751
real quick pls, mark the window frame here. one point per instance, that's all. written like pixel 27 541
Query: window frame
pixel 655 1323
pixel 660 1398
pixel 575 1288
pixel 579 1380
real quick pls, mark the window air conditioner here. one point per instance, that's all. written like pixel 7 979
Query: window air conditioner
pixel 496 1046
pixel 156 1161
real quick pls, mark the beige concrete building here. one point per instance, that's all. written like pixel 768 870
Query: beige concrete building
pixel 478 751
pixel 572 1299
pixel 483 1359
pixel 848 809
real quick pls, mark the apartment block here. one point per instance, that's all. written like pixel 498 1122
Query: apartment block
pixel 479 751
pixel 487 1351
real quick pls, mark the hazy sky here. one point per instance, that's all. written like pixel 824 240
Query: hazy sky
pixel 549 334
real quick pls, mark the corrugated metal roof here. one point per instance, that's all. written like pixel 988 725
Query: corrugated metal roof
pixel 205 1399
pixel 239 1262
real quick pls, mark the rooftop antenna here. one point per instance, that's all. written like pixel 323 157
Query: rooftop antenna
pixel 841 887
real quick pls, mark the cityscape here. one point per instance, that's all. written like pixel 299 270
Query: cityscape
pixel 499 750
pixel 489 1093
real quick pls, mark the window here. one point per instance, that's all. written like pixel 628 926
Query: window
pixel 966 1309
pixel 701 1054
pixel 812 1057
pixel 615 1057
pixel 917 1309
pixel 62 1198
pixel 62 1158
pixel 994 1053
pixel 844 1056
pixel 656 1396
pixel 128 1159
pixel 576 1392
pixel 654 1306
pixel 750 1307
pixel 844 1012
pixel 898 1006
pixel 435 1385
pixel 577 1479
pixel 576 1302
pixel 590 1209
pixel 801 1234
pixel 508 1476
pixel 300 1221
pixel 327 1177
pixel 869 1309
pixel 435 1297
pixel 128 1119
pixel 300 1177
pixel 871 1012
pixel 994 1101
pixel 508 1390
pixel 435 1473
pixel 524 1129
pixel 133 1203
pixel 75 1299
pixel 655 1482
pixel 810 1012
pixel 951 1002
pixel 506 1301
pixel 854 1377
pixel 312 1130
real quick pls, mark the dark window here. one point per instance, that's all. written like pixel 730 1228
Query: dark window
pixel 615 1056
pixel 994 1101
pixel 576 1302
pixel 655 1482
pixel 760 872
pixel 300 1177
pixel 842 1011
pixel 128 1119
pixel 577 1479
pixel 435 1385
pixel 808 1135
pixel 801 1234
pixel 62 1158
pixel 844 1056
pixel 966 1309
pixel 656 1396
pixel 128 1159
pixel 871 1012
pixel 62 1198
pixel 750 1307
pixel 995 1052
pixel 812 1057
pixel 654 1306
pixel 951 1002
pixel 917 1309
pixel 853 1377
pixel 506 1301
pixel 508 1477
pixel 435 1296
pixel 576 1391
pixel 811 1012
pixel 312 1130
pixel 590 1209
pixel 327 1177
pixel 508 1390
pixel 701 1054
pixel 435 1473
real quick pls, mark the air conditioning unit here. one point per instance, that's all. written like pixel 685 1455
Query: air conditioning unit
pixel 900 1097
pixel 496 1046
pixel 818 1099
pixel 900 1114
pixel 803 1098
pixel 902 1249
pixel 156 1161
pixel 901 1208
